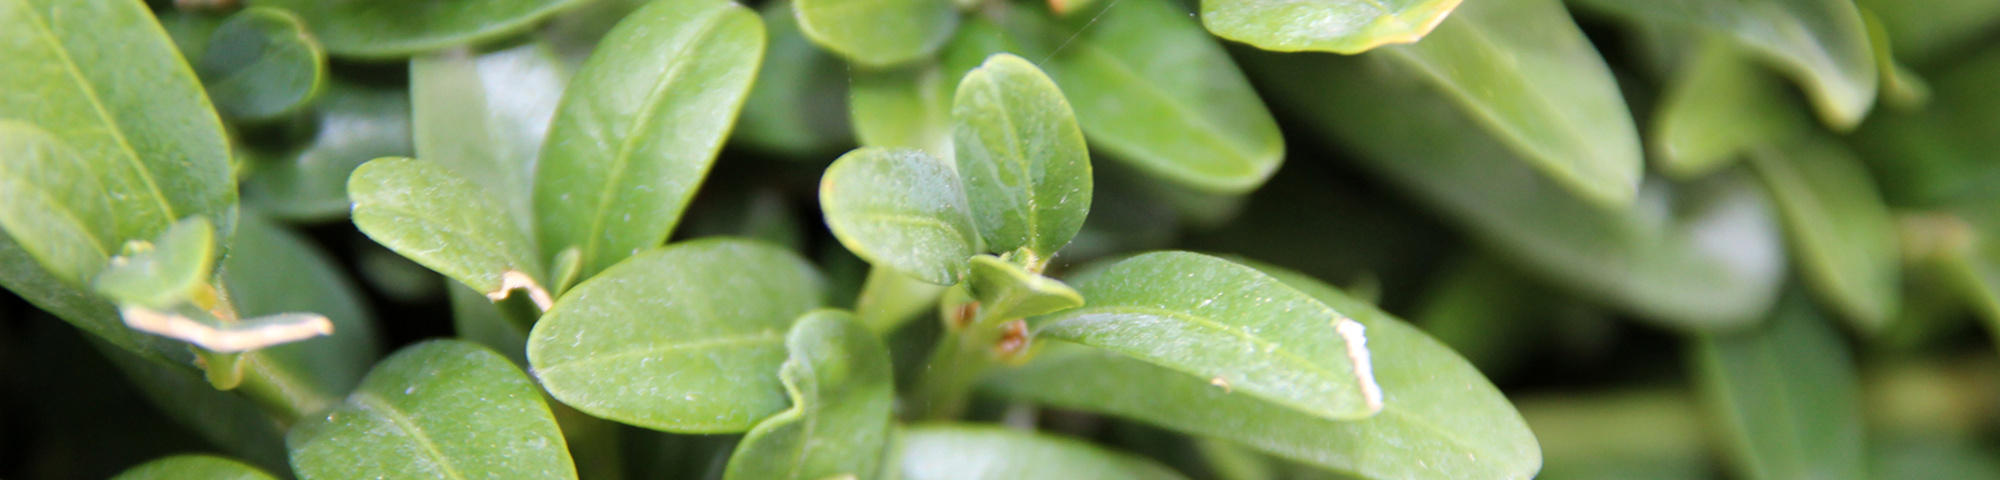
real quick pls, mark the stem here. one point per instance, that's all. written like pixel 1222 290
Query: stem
pixel 961 357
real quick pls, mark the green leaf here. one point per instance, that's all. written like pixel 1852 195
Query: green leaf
pixel 1229 325
pixel 1342 26
pixel 1786 396
pixel 1926 31
pixel 108 83
pixel 838 377
pixel 640 125
pixel 684 338
pixel 164 272
pixel 483 116
pixel 1624 434
pixel 261 65
pixel 393 29
pixel 1525 72
pixel 1700 256
pixel 443 409
pixel 272 271
pixel 1151 88
pixel 799 105
pixel 1718 107
pixel 1021 157
pixel 889 298
pixel 309 183
pixel 53 205
pixel 902 107
pixel 878 32
pixel 957 452
pixel 1821 44
pixel 1941 154
pixel 1007 291
pixel 194 466
pixel 1837 225
pixel 902 209
pixel 431 215
pixel 477 319
pixel 1440 419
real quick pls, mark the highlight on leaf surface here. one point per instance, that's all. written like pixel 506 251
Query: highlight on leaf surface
pixel 1021 157
pixel 1339 26
pixel 903 209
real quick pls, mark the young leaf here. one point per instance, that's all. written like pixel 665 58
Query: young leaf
pixel 431 215
pixel 382 30
pixel 1786 396
pixel 955 452
pixel 902 209
pixel 443 409
pixel 1525 71
pixel 878 33
pixel 1341 26
pixel 683 338
pixel 1007 291
pixel 261 65
pixel 53 206
pixel 355 124
pixel 194 466
pixel 799 105
pixel 1838 227
pixel 1440 419
pixel 164 272
pixel 1821 44
pixel 1021 157
pixel 1717 108
pixel 1229 325
pixel 483 116
pixel 1151 88
pixel 640 125
pixel 838 377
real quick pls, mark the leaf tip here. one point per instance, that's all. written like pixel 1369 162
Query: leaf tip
pixel 1355 336
pixel 512 280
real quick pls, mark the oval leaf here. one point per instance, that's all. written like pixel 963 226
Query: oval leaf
pixel 261 64
pixel 684 338
pixel 443 409
pixel 1341 26
pixel 1787 397
pixel 640 125
pixel 1821 44
pixel 838 377
pixel 53 205
pixel 878 32
pixel 374 29
pixel 1440 419
pixel 1021 157
pixel 431 215
pixel 483 116
pixel 941 452
pixel 355 124
pixel 194 466
pixel 162 273
pixel 1525 71
pixel 1838 227
pixel 903 209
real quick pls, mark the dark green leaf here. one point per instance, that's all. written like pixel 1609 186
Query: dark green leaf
pixel 1838 227
pixel 355 124
pixel 878 32
pixel 902 209
pixel 483 116
pixel 1923 31
pixel 1942 153
pixel 1786 396
pixel 1006 290
pixel 1021 157
pixel 477 319
pixel 194 466
pixel 1343 26
pixel 272 271
pixel 1628 435
pixel 164 272
pixel 799 105
pixel 401 28
pixel 838 377
pixel 640 125
pixel 53 205
pixel 431 215
pixel 1719 106
pixel 940 452
pixel 442 409
pixel 684 338
pixel 261 64
pixel 226 419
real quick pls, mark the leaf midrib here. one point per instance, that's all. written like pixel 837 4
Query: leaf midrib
pixel 1201 321
pixel 370 401
pixel 1138 84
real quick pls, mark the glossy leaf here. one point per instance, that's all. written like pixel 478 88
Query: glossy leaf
pixel 1786 396
pixel 164 272
pixel 1838 227
pixel 799 105
pixel 1440 419
pixel 1698 256
pixel 878 32
pixel 443 409
pixel 1821 44
pixel 1153 89
pixel 902 209
pixel 1006 290
pixel 261 64
pixel 684 338
pixel 355 124
pixel 483 116
pixel 640 125
pixel 431 215
pixel 1721 105
pixel 54 206
pixel 1341 26
pixel 1525 72
pixel 271 271
pixel 944 451
pixel 194 466
pixel 408 27
pixel 838 377
pixel 1020 156
pixel 1229 325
